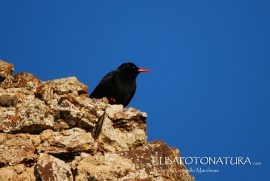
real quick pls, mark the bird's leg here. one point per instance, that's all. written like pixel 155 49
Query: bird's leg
pixel 112 100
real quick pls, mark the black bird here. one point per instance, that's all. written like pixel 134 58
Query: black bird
pixel 118 86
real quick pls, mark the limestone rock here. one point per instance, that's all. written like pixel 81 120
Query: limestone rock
pixel 54 89
pixel 21 80
pixel 113 139
pixel 80 111
pixel 51 168
pixel 129 120
pixel 104 167
pixel 6 70
pixel 15 97
pixel 17 149
pixel 122 129
pixel 33 116
pixel 68 85
pixel 18 173
pixel 67 141
pixel 45 92
pixel 53 131
pixel 158 162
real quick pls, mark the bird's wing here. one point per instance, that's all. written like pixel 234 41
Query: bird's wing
pixel 105 82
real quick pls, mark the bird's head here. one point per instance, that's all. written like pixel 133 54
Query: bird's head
pixel 132 68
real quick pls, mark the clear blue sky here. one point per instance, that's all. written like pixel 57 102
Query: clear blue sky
pixel 209 90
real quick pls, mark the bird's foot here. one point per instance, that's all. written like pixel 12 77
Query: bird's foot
pixel 112 100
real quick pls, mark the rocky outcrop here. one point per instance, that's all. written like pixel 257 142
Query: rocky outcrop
pixel 53 131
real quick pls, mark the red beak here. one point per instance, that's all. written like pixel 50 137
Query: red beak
pixel 143 70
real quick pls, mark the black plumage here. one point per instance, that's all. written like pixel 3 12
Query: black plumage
pixel 118 86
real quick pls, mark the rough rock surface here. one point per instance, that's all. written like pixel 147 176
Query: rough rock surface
pixel 6 70
pixel 53 131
